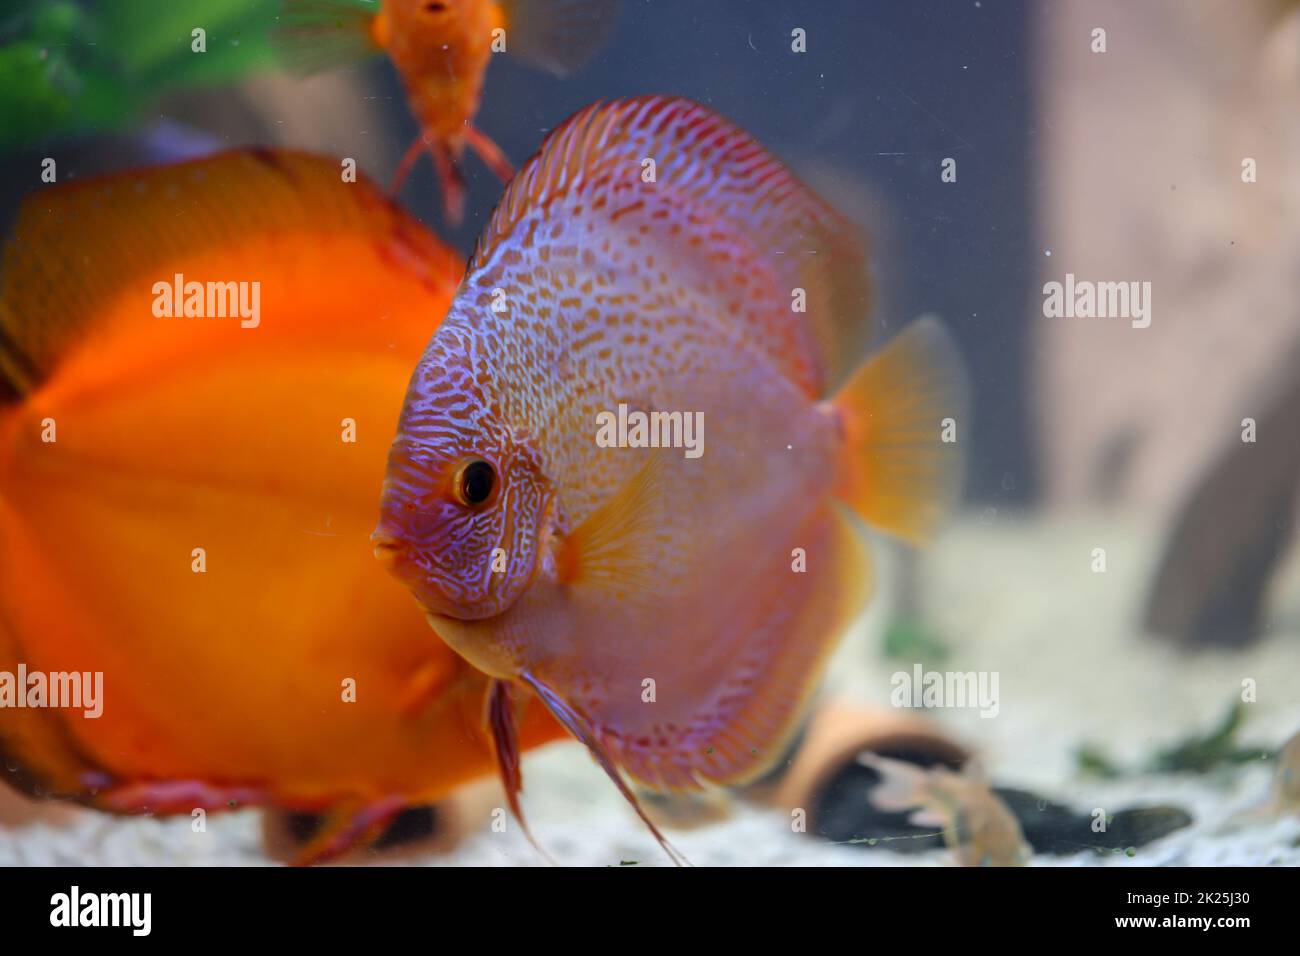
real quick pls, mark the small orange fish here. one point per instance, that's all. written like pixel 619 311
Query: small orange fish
pixel 441 50
pixel 977 826
pixel 672 606
pixel 186 501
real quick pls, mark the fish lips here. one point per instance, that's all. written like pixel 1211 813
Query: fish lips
pixel 398 557
pixel 403 560
pixel 390 551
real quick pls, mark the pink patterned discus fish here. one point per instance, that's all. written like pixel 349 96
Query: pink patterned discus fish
pixel 671 600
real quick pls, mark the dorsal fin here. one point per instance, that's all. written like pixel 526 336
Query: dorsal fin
pixel 728 220
pixel 75 246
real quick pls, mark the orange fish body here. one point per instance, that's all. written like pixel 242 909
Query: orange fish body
pixel 672 606
pixel 441 50
pixel 185 501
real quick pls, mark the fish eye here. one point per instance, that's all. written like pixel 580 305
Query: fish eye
pixel 435 6
pixel 475 483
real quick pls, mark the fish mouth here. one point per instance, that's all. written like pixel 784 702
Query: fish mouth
pixel 389 550
pixel 400 560
pixel 394 553
pixel 396 556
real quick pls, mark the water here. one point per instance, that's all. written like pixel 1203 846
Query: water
pixel 1122 554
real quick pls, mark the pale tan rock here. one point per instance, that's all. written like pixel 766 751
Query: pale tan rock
pixel 1140 153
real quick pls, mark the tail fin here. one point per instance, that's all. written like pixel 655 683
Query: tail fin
pixel 904 417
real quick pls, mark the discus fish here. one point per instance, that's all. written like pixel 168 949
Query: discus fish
pixel 977 826
pixel 185 503
pixel 441 50
pixel 673 612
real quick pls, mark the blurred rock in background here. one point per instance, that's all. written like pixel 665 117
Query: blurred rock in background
pixel 1140 151
pixel 1150 186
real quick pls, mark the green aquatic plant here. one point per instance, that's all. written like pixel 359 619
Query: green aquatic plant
pixel 1199 753
pixel 1092 761
pixel 69 68
pixel 906 639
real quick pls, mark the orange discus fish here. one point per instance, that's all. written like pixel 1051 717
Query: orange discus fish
pixel 631 458
pixel 441 50
pixel 201 368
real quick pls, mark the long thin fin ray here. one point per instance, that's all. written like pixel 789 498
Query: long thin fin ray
pixel 577 725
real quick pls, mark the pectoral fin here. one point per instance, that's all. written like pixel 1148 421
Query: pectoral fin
pixel 315 35
pixel 558 35
pixel 615 548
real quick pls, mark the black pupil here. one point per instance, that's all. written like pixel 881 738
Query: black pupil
pixel 476 482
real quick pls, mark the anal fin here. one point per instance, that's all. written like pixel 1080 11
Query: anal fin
pixel 750 701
